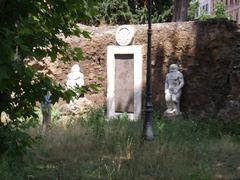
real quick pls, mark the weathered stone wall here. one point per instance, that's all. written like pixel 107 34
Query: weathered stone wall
pixel 207 52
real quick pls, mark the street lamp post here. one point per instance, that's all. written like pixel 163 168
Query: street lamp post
pixel 148 129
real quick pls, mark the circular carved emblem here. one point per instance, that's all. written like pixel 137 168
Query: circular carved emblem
pixel 124 35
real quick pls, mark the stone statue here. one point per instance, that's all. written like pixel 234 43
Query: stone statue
pixel 75 77
pixel 173 89
pixel 46 111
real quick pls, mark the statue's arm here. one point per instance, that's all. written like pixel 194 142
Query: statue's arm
pixel 166 84
pixel 181 80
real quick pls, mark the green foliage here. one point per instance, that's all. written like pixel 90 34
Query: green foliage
pixel 204 16
pixel 33 29
pixel 159 15
pixel 182 149
pixel 128 11
pixel 165 16
pixel 95 120
pixel 162 11
pixel 114 12
pixel 10 168
pixel 219 10
pixel 193 8
pixel 140 16
pixel 14 140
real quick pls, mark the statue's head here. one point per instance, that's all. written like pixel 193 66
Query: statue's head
pixel 75 68
pixel 173 68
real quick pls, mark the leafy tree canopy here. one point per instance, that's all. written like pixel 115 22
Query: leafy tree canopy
pixel 31 28
pixel 132 11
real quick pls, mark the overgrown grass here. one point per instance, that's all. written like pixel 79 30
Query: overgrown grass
pixel 93 148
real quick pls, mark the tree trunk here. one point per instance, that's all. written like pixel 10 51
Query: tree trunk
pixel 180 10
pixel 2 12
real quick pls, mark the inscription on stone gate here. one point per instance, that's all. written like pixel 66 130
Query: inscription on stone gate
pixel 124 83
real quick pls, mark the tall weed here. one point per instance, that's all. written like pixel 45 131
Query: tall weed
pixel 93 147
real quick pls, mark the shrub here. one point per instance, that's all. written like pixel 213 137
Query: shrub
pixel 113 12
pixel 220 11
pixel 193 8
pixel 204 16
pixel 125 12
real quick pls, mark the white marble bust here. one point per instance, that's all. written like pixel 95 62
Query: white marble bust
pixel 75 77
pixel 125 35
pixel 173 90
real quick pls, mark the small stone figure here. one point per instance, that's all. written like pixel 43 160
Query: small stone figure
pixel 173 90
pixel 75 77
pixel 46 111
